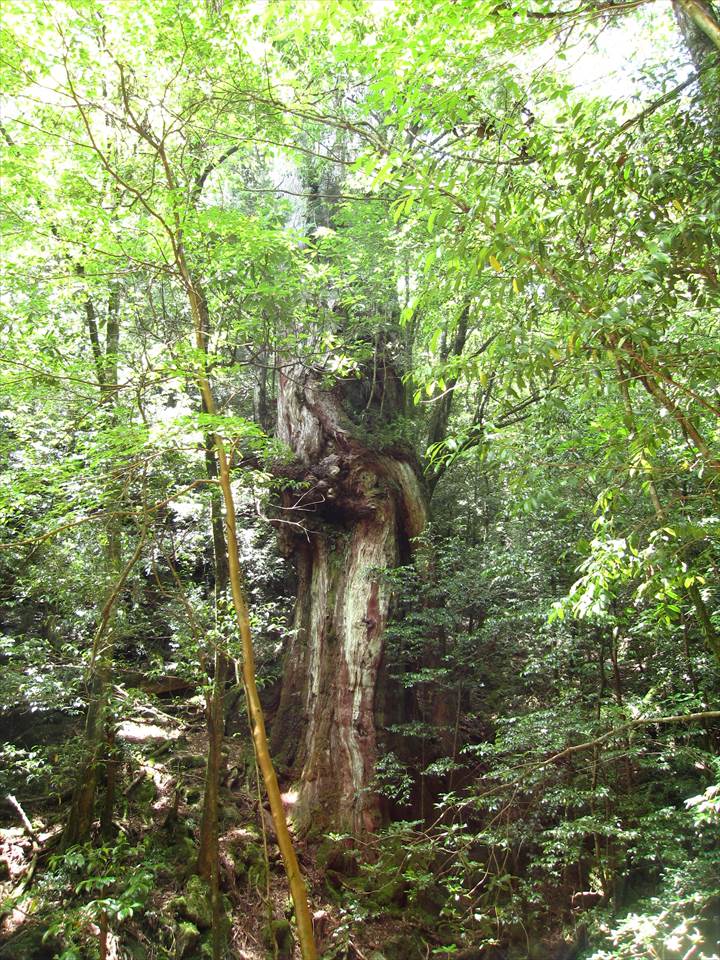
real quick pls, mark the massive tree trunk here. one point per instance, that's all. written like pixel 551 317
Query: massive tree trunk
pixel 353 512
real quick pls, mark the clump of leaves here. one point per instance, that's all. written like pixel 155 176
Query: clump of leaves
pixel 95 888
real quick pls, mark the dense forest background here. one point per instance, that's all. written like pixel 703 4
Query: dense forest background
pixel 360 461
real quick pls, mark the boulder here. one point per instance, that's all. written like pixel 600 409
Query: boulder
pixel 194 905
pixel 29 944
pixel 278 936
pixel 187 937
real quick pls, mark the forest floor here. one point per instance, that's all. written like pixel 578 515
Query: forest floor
pixel 157 818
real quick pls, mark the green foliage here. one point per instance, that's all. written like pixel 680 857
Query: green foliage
pixel 538 816
pixel 508 271
pixel 22 766
pixel 682 917
pixel 116 883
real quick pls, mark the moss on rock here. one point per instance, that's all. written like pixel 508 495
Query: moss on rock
pixel 249 861
pixel 187 937
pixel 279 939
pixel 29 944
pixel 404 946
pixel 194 904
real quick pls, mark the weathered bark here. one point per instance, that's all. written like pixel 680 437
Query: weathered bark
pixel 82 809
pixel 699 27
pixel 360 508
pixel 209 853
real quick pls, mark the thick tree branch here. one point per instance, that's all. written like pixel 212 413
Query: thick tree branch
pixel 662 100
pixel 623 728
pixel 592 10
pixel 704 18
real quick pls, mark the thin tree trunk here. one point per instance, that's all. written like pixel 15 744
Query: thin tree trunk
pixel 82 809
pixel 686 424
pixel 708 627
pixel 99 737
pixel 98 721
pixel 111 769
pixel 209 853
pixel 298 891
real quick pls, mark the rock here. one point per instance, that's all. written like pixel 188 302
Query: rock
pixel 179 858
pixel 404 946
pixel 249 862
pixel 340 867
pixel 392 894
pixel 146 791
pixel 187 937
pixel 190 761
pixel 28 944
pixel 556 948
pixel 33 727
pixel 584 899
pixel 446 935
pixel 195 904
pixel 183 849
pixel 479 953
pixel 150 735
pixel 338 858
pixel 321 924
pixel 135 950
pixel 279 938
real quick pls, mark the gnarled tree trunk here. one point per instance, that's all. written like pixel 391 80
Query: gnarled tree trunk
pixel 360 507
